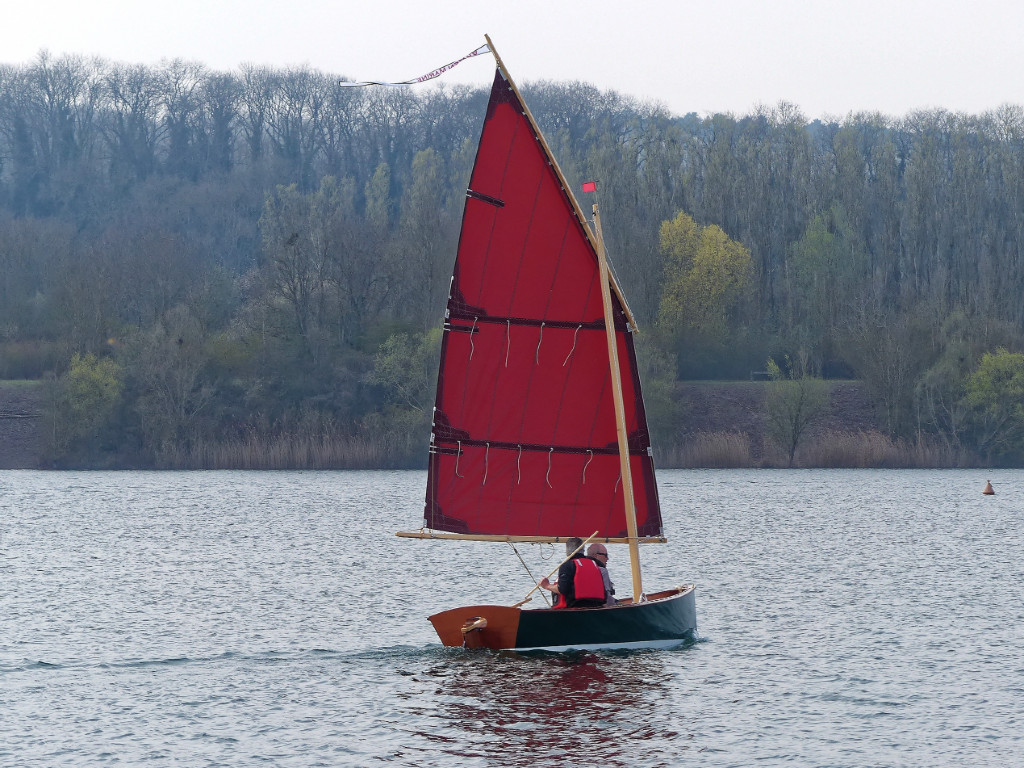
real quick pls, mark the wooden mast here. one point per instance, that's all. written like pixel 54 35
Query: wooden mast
pixel 608 283
pixel 620 413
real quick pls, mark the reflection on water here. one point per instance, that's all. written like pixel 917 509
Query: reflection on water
pixel 542 709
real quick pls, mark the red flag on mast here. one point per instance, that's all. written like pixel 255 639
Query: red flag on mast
pixel 590 186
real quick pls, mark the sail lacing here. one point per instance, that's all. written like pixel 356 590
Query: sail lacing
pixel 447 445
pixel 519 473
pixel 574 336
pixel 540 338
pixel 508 339
pixel 472 332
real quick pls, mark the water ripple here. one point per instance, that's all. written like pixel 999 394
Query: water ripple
pixel 847 618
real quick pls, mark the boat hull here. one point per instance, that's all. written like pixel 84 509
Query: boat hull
pixel 664 620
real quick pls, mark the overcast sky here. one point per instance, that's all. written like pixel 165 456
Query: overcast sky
pixel 827 57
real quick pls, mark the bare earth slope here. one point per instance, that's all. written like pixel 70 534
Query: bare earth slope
pixel 20 426
pixel 714 406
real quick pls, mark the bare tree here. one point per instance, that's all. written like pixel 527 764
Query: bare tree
pixel 793 401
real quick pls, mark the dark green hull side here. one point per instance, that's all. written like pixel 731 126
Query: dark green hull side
pixel 661 622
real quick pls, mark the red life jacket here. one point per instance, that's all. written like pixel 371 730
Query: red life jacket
pixel 588 583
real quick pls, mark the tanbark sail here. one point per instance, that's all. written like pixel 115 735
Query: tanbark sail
pixel 524 433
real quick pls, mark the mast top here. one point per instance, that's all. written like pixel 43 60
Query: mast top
pixel 591 236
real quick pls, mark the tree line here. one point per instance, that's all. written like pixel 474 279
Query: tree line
pixel 204 264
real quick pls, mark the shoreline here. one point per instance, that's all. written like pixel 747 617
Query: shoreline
pixel 722 426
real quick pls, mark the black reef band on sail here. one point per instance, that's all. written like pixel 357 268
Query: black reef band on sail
pixel 456 447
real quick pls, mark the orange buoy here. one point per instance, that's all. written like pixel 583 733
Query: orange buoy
pixel 988 490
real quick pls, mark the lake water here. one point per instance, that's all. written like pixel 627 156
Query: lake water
pixel 846 618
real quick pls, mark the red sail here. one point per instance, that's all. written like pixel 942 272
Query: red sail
pixel 524 438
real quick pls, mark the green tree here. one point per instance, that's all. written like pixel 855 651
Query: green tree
pixel 995 392
pixel 83 401
pixel 940 395
pixel 427 241
pixel 821 278
pixel 889 352
pixel 378 201
pixel 166 366
pixel 707 278
pixel 657 372
pixel 679 238
pixel 793 400
pixel 405 367
pixel 716 282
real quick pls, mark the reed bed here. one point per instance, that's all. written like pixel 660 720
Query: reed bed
pixel 714 450
pixel 874 449
pixel 290 451
pixel 862 449
pixel 719 450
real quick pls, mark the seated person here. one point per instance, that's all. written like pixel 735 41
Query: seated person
pixel 580 583
pixel 573 545
pixel 599 554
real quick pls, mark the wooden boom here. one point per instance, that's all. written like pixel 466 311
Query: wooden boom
pixel 424 534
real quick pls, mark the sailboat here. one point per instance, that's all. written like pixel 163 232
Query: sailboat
pixel 539 432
